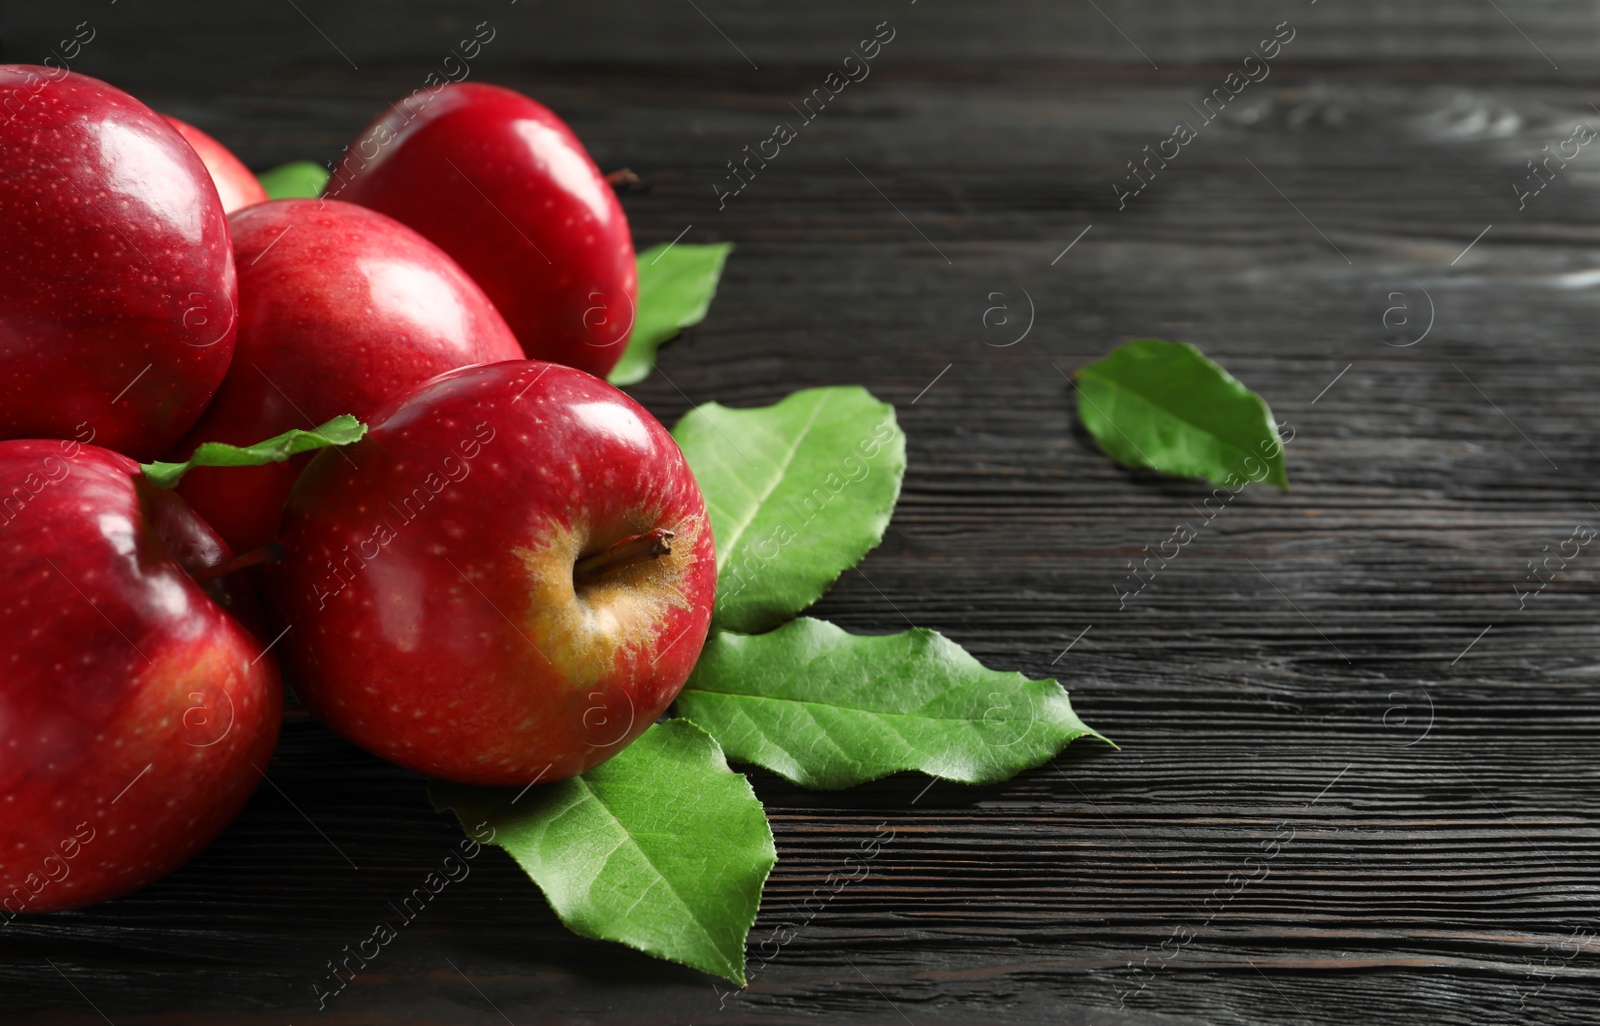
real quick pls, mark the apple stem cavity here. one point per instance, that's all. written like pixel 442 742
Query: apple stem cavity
pixel 271 552
pixel 636 548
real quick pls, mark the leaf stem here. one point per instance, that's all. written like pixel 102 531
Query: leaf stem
pixel 271 552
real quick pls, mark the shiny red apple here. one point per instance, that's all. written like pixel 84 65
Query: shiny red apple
pixel 236 186
pixel 507 580
pixel 502 185
pixel 117 299
pixel 340 308
pixel 134 711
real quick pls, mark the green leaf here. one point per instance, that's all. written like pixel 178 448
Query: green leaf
pixel 1164 405
pixel 829 709
pixel 300 179
pixel 797 493
pixel 661 848
pixel 676 283
pixel 341 430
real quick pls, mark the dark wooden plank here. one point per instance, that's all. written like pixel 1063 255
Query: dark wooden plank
pixel 1307 663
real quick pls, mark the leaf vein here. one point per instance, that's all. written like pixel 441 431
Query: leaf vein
pixel 777 478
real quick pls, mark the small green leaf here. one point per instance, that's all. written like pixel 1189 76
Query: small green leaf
pixel 341 430
pixel 300 179
pixel 676 283
pixel 1164 405
pixel 661 848
pixel 829 709
pixel 798 493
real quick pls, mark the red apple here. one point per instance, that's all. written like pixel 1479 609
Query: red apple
pixel 236 186
pixel 339 309
pixel 507 580
pixel 502 185
pixel 117 292
pixel 134 711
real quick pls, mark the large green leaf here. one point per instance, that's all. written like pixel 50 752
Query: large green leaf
pixel 341 430
pixel 300 179
pixel 676 283
pixel 661 848
pixel 829 709
pixel 798 493
pixel 1164 405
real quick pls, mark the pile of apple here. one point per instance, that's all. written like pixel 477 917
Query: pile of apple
pixel 505 581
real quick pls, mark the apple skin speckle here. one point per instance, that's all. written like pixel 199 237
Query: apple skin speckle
pixel 236 186
pixel 468 610
pixel 115 769
pixel 340 308
pixel 500 183
pixel 118 297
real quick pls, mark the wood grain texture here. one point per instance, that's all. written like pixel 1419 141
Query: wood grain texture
pixel 1307 664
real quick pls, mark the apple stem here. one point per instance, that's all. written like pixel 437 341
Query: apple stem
pixel 622 178
pixel 636 548
pixel 268 553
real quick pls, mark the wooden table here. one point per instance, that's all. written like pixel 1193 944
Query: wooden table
pixel 1358 771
